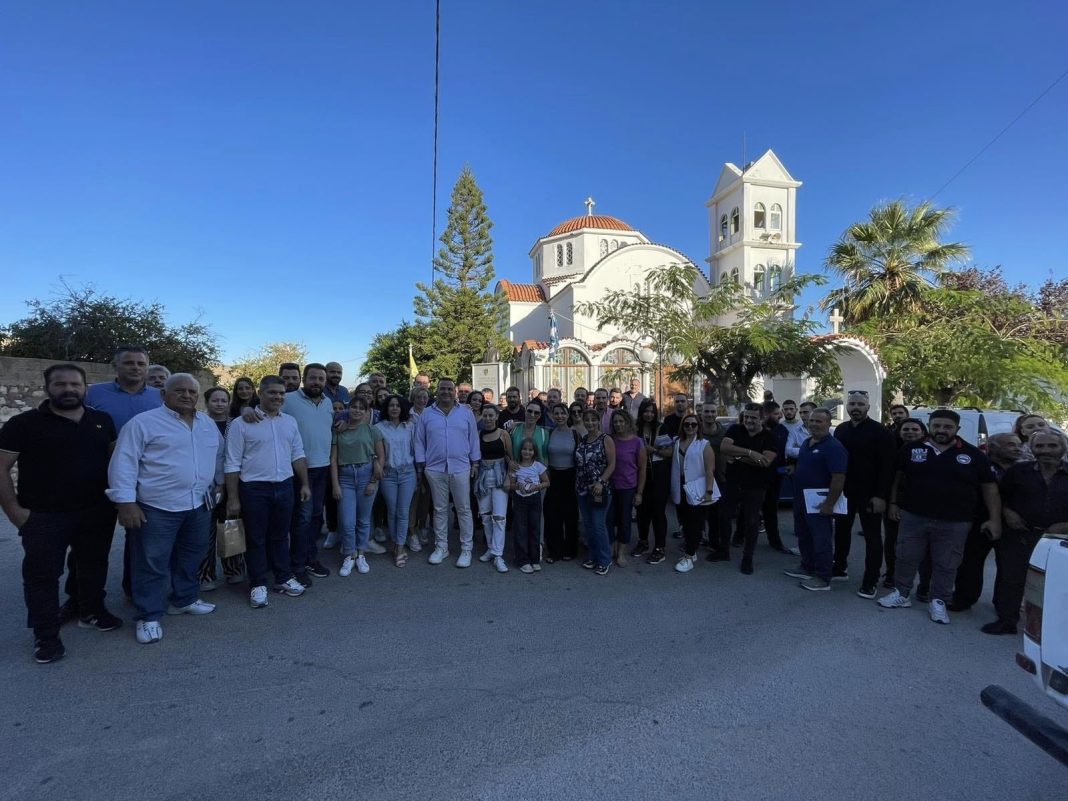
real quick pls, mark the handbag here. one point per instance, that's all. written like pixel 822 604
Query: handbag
pixel 230 538
pixel 695 492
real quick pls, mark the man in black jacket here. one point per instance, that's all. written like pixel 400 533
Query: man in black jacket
pixel 871 457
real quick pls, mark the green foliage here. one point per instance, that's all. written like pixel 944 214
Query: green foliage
pixel 85 326
pixel 388 354
pixel 888 260
pixel 461 317
pixel 764 338
pixel 266 360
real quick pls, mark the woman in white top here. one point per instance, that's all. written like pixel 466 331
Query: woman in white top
pixel 693 463
pixel 398 477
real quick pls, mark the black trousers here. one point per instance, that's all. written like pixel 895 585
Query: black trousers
pixel 1013 552
pixel 746 503
pixel 969 583
pixel 872 526
pixel 561 515
pixel 653 509
pixel 46 536
pixel 770 510
pixel 719 526
pixel 692 519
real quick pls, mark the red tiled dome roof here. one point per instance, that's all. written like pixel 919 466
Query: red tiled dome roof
pixel 590 221
pixel 524 293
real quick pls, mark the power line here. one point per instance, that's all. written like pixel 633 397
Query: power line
pixel 1001 133
pixel 434 180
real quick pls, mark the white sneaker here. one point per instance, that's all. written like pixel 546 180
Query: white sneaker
pixel 290 587
pixel 498 562
pixel 331 540
pixel 937 610
pixel 684 565
pixel 413 544
pixel 374 547
pixel 257 597
pixel 198 607
pixel 464 559
pixel 526 569
pixel 895 600
pixel 347 565
pixel 149 631
pixel 380 535
pixel 486 557
pixel 361 564
pixel 438 556
pixel 537 567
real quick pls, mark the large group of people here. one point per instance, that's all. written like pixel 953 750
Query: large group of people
pixel 308 468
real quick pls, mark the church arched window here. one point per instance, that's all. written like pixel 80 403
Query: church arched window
pixel 736 221
pixel 724 278
pixel 604 247
pixel 775 219
pixel 759 284
pixel 758 215
pixel 735 279
pixel 722 227
pixel 559 255
pixel 570 254
pixel 615 245
pixel 570 371
pixel 775 278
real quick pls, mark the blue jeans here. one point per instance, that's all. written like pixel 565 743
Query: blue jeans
pixel 307 520
pixel 815 539
pixel 165 555
pixel 398 486
pixel 593 523
pixel 622 514
pixel 266 511
pixel 354 508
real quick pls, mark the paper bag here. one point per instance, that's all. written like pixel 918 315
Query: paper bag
pixel 230 536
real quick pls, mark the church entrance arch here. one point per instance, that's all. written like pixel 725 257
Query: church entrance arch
pixel 861 372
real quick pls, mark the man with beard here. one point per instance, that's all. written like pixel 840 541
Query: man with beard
pixel 314 413
pixel 333 389
pixel 898 413
pixel 749 450
pixel 290 374
pixel 935 496
pixel 1035 502
pixel 62 450
pixel 512 412
pixel 680 405
pixel 633 397
pixel 776 472
pixel 580 396
pixel 871 456
pixel 614 401
pixel 157 376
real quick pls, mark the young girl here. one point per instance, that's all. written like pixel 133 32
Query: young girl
pixel 491 486
pixel 356 458
pixel 530 478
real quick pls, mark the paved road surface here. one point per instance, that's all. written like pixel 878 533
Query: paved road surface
pixel 438 683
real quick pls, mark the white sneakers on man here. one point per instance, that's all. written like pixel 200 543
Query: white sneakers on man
pixel 198 607
pixel 361 564
pixel 290 587
pixel 486 557
pixel 464 559
pixel 937 610
pixel 257 597
pixel 347 564
pixel 895 600
pixel 149 631
pixel 438 556
pixel 498 562
pixel 684 565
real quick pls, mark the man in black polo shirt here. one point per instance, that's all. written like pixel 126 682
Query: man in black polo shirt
pixel 748 449
pixel 62 450
pixel 870 447
pixel 1034 498
pixel 513 411
pixel 680 405
pixel 935 494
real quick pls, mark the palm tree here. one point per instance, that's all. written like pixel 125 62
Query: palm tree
pixel 889 260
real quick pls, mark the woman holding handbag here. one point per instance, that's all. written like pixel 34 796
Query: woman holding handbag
pixel 652 512
pixel 217 402
pixel 595 461
pixel 693 485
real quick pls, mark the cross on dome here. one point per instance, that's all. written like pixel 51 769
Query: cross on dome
pixel 590 203
pixel 836 319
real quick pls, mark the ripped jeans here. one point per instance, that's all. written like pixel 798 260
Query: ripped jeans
pixel 493 503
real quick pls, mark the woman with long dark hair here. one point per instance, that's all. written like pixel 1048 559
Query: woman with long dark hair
pixel 244 397
pixel 652 511
pixel 595 460
pixel 561 505
pixel 398 475
pixel 217 402
pixel 693 470
pixel 628 482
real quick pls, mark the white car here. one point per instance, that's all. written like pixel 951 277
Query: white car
pixel 976 425
pixel 1045 638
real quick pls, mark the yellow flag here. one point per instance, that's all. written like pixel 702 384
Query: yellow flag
pixel 413 371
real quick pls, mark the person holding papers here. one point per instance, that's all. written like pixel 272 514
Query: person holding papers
pixel 820 475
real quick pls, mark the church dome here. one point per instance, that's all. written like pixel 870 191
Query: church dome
pixel 599 221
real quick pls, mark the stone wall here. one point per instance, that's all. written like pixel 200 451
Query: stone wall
pixel 22 382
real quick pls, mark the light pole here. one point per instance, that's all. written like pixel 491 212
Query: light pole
pixel 647 355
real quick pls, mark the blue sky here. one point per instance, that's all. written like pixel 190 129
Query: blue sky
pixel 268 164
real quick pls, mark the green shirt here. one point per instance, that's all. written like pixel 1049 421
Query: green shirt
pixel 356 445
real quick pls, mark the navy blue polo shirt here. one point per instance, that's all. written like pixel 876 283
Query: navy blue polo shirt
pixel 816 461
pixel 942 486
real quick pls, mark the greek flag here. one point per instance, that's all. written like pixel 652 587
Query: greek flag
pixel 554 336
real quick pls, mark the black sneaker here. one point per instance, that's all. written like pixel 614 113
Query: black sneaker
pixel 304 579
pixel 655 557
pixel 68 611
pixel 953 606
pixel 783 549
pixel 318 569
pixel 589 564
pixel 102 621
pixel 998 627
pixel 48 649
pixel 640 548
pixel 746 567
pixel 601 570
pixel 839 575
pixel 717 556
pixel 867 591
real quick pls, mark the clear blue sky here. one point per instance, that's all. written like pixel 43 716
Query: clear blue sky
pixel 268 164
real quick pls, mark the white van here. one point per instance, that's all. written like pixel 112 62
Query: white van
pixel 976 425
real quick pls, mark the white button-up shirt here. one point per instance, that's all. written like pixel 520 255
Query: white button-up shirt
pixel 162 462
pixel 265 450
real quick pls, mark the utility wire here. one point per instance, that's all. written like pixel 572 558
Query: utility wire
pixel 434 180
pixel 1001 133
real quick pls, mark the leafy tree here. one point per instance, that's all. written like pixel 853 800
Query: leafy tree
pixel 85 326
pixel 461 316
pixel 764 338
pixel 265 361
pixel 889 259
pixel 388 354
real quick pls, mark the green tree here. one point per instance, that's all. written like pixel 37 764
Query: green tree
pixel 888 260
pixel 85 326
pixel 461 315
pixel 764 338
pixel 265 360
pixel 388 354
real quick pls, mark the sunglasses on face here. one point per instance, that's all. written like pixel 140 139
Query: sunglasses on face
pixel 689 425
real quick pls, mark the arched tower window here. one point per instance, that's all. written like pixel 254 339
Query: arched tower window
pixel 735 279
pixel 759 282
pixel 775 219
pixel 604 247
pixel 570 254
pixel 736 221
pixel 722 227
pixel 615 245
pixel 559 255
pixel 758 215
pixel 775 278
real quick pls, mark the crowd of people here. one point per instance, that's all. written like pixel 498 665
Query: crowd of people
pixel 308 468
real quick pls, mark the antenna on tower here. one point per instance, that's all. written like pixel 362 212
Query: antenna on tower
pixel 743 152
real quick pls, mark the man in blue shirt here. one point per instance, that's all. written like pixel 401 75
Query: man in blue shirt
pixel 821 465
pixel 333 390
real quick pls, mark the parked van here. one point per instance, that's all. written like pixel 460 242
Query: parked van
pixel 976 425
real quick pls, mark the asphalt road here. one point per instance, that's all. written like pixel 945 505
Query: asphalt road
pixel 439 683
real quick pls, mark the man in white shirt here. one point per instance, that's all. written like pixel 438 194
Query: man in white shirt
pixel 632 398
pixel 163 478
pixel 261 461
pixel 798 431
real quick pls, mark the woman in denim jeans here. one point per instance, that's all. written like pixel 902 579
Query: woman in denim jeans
pixel 398 478
pixel 491 486
pixel 356 458
pixel 595 460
